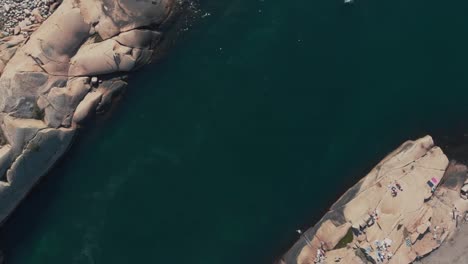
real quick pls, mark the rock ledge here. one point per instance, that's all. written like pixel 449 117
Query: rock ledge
pixel 61 68
pixel 404 209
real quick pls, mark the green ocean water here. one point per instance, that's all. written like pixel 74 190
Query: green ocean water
pixel 259 118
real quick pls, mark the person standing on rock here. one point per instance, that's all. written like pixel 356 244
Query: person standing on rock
pixel 456 216
pixel 398 186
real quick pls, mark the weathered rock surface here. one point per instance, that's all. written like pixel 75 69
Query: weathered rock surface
pixel 60 73
pixel 394 214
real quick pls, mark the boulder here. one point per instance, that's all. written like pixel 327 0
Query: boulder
pixel 20 131
pixel 62 102
pixel 86 107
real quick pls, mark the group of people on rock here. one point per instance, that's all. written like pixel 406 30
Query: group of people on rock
pixel 320 257
pixel 437 232
pixel 375 215
pixel 383 250
pixel 395 187
pixel 456 216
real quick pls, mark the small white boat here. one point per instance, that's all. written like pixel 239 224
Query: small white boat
pixel 348 1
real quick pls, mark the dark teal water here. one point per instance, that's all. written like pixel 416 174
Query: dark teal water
pixel 259 118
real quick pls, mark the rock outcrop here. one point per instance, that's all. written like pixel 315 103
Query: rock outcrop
pixel 401 211
pixel 23 16
pixel 53 79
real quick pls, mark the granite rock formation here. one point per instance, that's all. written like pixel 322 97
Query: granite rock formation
pixel 404 209
pixel 67 69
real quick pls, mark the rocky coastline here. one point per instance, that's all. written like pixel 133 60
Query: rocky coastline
pixel 61 62
pixel 408 206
